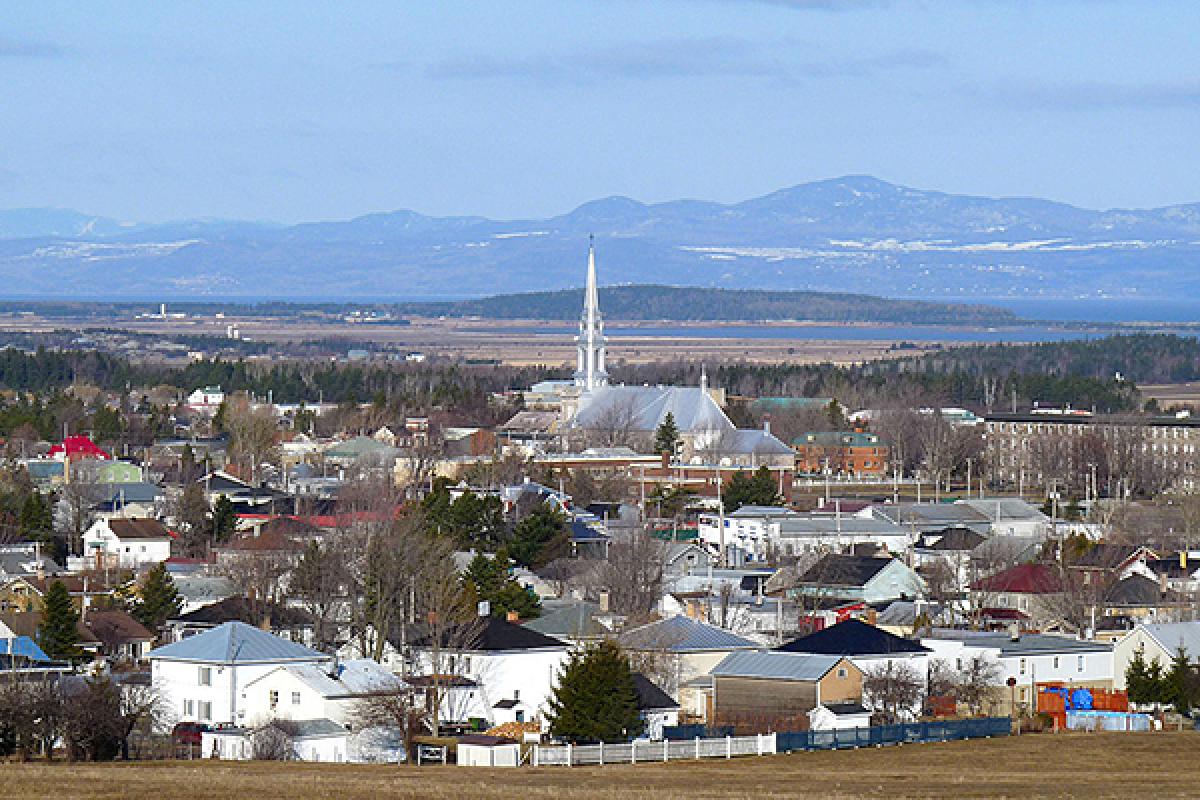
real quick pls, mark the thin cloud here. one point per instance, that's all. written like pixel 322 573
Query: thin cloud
pixel 678 58
pixel 1093 96
pixel 28 48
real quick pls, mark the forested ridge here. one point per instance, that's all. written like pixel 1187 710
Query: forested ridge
pixel 1082 373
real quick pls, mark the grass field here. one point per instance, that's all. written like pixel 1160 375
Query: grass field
pixel 1067 765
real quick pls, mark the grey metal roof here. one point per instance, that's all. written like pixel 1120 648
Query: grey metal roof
pixel 1026 644
pixel 236 643
pixel 643 408
pixel 1005 508
pixel 1173 635
pixel 775 665
pixel 680 634
pixel 826 525
pixel 574 621
pixel 753 441
pixel 357 677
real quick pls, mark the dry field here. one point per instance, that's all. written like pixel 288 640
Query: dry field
pixel 1068 765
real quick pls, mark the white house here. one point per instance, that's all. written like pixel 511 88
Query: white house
pixel 1027 658
pixel 127 543
pixel 1157 641
pixel 202 677
pixel 758 531
pixel 315 691
pixel 206 400
pixel 514 667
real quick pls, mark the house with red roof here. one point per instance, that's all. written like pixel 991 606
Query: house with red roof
pixel 1029 595
pixel 74 448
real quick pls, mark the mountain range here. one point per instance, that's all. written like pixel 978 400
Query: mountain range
pixel 852 234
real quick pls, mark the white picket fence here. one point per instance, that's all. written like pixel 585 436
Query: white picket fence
pixel 570 755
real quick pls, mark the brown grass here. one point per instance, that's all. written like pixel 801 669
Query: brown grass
pixel 1068 765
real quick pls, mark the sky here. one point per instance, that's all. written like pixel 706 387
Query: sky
pixel 294 111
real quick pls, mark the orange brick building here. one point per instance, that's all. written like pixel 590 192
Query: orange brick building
pixel 842 452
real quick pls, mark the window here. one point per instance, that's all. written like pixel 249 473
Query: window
pixel 205 710
pixel 205 676
pixel 1022 666
pixel 1079 663
pixel 516 694
pixel 273 698
pixel 295 698
pixel 1056 662
pixel 841 673
pixel 189 708
pixel 520 716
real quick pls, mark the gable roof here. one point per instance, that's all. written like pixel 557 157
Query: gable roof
pixel 954 538
pixel 1138 590
pixel 839 569
pixel 491 634
pixel 776 665
pixel 236 643
pixel 1173 635
pixel 222 482
pixel 23 646
pixel 643 408
pixel 650 696
pixel 78 447
pixel 354 678
pixel 1023 579
pixel 138 528
pixel 852 638
pixel 116 626
pixel 236 608
pixel 680 634
pixel 577 620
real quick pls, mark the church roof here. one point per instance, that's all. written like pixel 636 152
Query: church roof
pixel 643 408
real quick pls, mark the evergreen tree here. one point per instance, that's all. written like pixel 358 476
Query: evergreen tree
pixel 490 580
pixel 1179 683
pixel 1137 680
pixel 667 436
pixel 539 538
pixel 159 600
pixel 744 489
pixel 57 632
pixel 596 698
pixel 35 518
pixel 224 519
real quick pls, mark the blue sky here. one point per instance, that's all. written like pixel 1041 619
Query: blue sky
pixel 300 111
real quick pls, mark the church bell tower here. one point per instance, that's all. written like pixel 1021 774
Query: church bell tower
pixel 589 371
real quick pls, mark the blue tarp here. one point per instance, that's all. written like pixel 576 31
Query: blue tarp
pixel 22 646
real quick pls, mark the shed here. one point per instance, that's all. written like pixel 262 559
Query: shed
pixel 480 750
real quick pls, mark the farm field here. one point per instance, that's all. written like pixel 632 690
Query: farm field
pixel 1066 765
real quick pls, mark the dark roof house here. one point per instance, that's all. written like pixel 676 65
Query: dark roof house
pixel 852 638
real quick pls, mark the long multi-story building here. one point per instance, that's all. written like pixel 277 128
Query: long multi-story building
pixel 1092 454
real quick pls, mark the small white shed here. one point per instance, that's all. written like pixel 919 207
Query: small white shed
pixel 838 716
pixel 478 750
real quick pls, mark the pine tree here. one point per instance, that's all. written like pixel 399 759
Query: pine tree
pixel 539 538
pixel 224 519
pixel 1178 684
pixel 596 698
pixel 667 436
pixel 489 578
pixel 1137 679
pixel 744 489
pixel 159 601
pixel 57 632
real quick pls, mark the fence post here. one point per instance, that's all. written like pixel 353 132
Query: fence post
pixel 758 742
pixel 728 746
pixel 602 754
pixel 633 752
pixel 697 747
pixel 570 753
pixel 536 748
pixel 666 749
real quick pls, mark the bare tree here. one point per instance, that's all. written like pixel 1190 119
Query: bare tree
pixel 633 574
pixel 252 433
pixel 893 689
pixel 977 684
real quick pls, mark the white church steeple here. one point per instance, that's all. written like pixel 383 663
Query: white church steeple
pixel 590 372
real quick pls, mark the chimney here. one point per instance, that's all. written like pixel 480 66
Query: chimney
pixel 604 601
pixel 766 423
pixel 1183 554
pixel 513 617
pixel 1162 582
pixel 666 460
pixel 872 616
